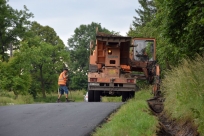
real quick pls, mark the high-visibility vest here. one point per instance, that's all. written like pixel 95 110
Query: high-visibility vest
pixel 61 80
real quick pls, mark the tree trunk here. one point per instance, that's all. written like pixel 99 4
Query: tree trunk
pixel 11 50
pixel 16 94
pixel 42 82
pixel 2 48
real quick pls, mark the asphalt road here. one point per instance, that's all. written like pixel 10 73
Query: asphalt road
pixel 53 119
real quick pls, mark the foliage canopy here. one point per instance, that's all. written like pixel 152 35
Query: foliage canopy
pixel 13 25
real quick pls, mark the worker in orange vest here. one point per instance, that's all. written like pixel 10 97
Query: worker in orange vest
pixel 62 80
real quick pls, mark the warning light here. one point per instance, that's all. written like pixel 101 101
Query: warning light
pixel 109 51
pixel 130 80
pixel 93 79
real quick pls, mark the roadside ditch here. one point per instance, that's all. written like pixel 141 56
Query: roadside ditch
pixel 170 127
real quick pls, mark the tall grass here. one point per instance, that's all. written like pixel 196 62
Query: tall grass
pixel 132 119
pixel 184 92
pixel 8 98
pixel 77 96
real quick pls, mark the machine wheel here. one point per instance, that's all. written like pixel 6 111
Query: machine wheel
pixel 125 96
pixel 131 94
pixel 96 96
pixel 90 96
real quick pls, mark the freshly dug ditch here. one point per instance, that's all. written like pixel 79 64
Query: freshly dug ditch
pixel 169 127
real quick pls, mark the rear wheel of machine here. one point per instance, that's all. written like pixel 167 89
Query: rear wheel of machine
pixel 131 94
pixel 96 96
pixel 90 96
pixel 125 96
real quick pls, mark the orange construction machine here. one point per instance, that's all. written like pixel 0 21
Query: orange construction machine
pixel 116 62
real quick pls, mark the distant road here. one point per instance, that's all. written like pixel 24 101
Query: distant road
pixel 53 119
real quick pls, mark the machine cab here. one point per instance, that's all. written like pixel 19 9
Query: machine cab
pixel 144 49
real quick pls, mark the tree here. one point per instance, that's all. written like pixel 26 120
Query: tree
pixel 142 26
pixel 79 53
pixel 184 25
pixel 46 34
pixel 13 25
pixel 179 29
pixel 151 23
pixel 14 76
pixel 48 56
pixel 145 14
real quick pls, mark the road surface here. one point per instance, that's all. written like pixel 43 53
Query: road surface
pixel 53 119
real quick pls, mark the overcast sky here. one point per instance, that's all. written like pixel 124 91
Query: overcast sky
pixel 64 16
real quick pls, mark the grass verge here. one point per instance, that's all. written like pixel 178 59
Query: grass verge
pixel 111 99
pixel 132 119
pixel 8 98
pixel 73 95
pixel 184 92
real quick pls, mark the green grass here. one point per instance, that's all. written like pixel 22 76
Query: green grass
pixel 184 92
pixel 132 119
pixel 73 95
pixel 111 99
pixel 8 98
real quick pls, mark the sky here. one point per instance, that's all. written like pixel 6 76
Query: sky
pixel 64 16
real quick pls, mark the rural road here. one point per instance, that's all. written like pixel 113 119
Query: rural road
pixel 53 119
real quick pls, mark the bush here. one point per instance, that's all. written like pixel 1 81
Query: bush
pixel 25 99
